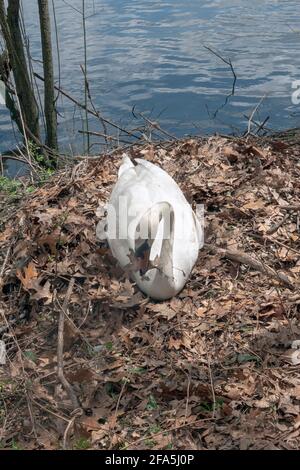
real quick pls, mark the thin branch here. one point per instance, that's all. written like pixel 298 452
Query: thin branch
pixel 252 115
pixel 229 63
pixel 4 264
pixel 60 348
pixel 90 111
pixel 212 387
pixel 105 136
pixel 86 83
pixel 244 258
pixel 276 226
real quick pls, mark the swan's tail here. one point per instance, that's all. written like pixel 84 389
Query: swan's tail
pixel 125 165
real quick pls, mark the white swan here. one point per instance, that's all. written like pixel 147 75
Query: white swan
pixel 151 229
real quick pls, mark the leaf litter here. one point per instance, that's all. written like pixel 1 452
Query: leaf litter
pixel 214 368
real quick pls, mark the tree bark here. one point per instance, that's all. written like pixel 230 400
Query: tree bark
pixel 49 100
pixel 9 23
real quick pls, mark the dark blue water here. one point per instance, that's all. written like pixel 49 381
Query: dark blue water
pixel 150 53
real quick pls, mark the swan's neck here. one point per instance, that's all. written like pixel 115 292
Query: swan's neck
pixel 154 243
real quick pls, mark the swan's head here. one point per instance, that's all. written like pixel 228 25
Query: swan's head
pixel 153 239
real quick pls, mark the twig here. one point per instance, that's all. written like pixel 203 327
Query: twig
pixel 198 422
pixel 260 126
pixel 74 326
pixel 4 421
pixel 90 111
pixel 23 369
pixel 67 431
pixel 84 71
pixel 187 394
pixel 227 62
pixel 252 115
pixel 194 170
pixel 119 398
pixel 106 137
pixel 275 227
pixel 49 411
pixel 155 125
pixel 60 348
pixel 92 103
pixel 4 264
pixel 212 387
pixel 276 242
pixel 243 258
pixel 292 207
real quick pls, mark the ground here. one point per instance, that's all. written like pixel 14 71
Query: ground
pixel 213 368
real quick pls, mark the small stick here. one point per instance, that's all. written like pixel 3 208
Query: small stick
pixel 275 227
pixel 67 431
pixel 187 394
pixel 197 423
pixel 243 258
pixel 276 242
pixel 4 264
pixel 90 111
pixel 60 348
pixel 227 62
pixel 155 125
pixel 293 207
pixel 253 113
pixel 49 411
pixel 119 399
pixel 106 137
pixel 212 387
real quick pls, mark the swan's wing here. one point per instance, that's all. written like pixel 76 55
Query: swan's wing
pixel 164 183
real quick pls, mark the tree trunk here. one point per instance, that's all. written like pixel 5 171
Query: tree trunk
pixel 49 103
pixel 13 39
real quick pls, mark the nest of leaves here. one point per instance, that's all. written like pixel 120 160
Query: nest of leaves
pixel 212 368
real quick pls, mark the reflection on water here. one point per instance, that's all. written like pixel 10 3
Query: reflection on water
pixel 150 54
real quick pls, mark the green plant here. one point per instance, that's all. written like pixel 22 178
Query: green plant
pixel 35 152
pixel 137 370
pixel 10 186
pixel 241 358
pixel 30 189
pixel 154 429
pixel 207 406
pixel 169 446
pixel 45 174
pixel 150 443
pixel 151 405
pixel 82 444
pixel 15 445
pixel 109 346
pixel 30 355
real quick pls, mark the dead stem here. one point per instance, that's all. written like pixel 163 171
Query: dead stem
pixel 244 258
pixel 60 348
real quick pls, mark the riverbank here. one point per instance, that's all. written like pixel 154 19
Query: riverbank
pixel 212 368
